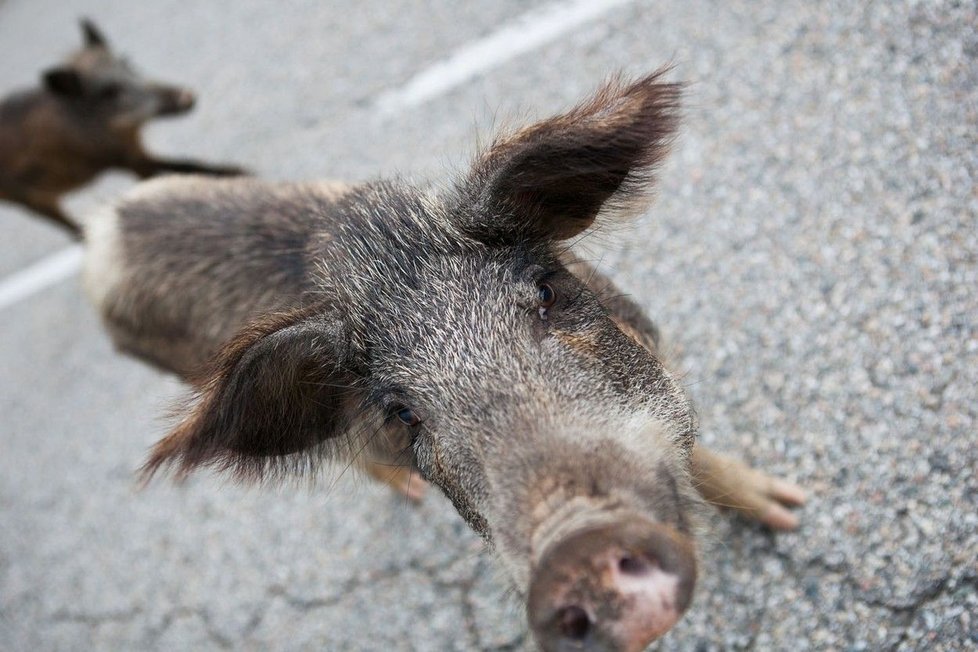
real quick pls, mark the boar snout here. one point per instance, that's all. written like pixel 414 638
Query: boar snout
pixel 615 587
pixel 174 100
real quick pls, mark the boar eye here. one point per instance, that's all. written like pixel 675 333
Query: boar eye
pixel 547 297
pixel 408 417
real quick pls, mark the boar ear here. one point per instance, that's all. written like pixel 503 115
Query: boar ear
pixel 93 35
pixel 279 387
pixel 64 81
pixel 552 179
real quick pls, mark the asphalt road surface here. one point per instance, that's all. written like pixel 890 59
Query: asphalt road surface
pixel 813 256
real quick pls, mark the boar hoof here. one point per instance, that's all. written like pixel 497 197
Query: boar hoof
pixel 729 483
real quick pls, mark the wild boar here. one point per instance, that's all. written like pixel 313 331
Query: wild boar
pixel 83 120
pixel 452 334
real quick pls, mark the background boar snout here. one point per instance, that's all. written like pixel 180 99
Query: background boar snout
pixel 174 100
pixel 616 587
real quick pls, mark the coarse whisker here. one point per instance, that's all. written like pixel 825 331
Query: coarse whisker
pixel 594 269
pixel 355 457
pixel 395 465
pixel 587 283
pixel 620 295
pixel 313 383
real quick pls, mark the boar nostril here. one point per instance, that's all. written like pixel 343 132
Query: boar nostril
pixel 573 623
pixel 635 566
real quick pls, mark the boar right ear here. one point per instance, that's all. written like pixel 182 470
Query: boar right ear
pixel 93 35
pixel 280 387
pixel 552 179
pixel 64 81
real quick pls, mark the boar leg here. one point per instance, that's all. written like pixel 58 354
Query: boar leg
pixel 47 206
pixel 150 167
pixel 726 482
pixel 405 480
pixel 390 460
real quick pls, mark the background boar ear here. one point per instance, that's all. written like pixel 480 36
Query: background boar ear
pixel 279 387
pixel 93 35
pixel 552 179
pixel 64 81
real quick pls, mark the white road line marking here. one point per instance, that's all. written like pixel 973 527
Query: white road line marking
pixel 41 275
pixel 533 29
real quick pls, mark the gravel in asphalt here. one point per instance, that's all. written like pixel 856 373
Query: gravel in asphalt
pixel 812 256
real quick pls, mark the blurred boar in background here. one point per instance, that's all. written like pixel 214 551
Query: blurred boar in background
pixel 85 119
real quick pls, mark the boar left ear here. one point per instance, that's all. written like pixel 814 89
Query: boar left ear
pixel 279 387
pixel 552 179
pixel 94 38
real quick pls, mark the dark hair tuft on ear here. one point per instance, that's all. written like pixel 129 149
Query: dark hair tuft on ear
pixel 552 179
pixel 93 35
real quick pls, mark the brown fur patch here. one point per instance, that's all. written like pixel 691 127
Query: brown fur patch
pixel 586 343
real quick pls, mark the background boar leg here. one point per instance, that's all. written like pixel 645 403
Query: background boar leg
pixel 150 167
pixel 726 482
pixel 47 206
pixel 405 480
